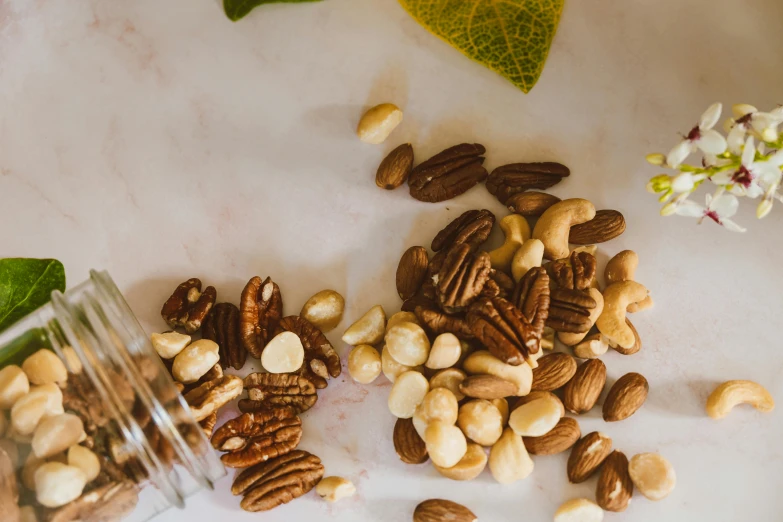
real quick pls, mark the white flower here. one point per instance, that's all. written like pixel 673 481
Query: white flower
pixel 752 178
pixel 701 137
pixel 763 125
pixel 719 209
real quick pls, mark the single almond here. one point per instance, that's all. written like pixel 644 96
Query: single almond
pixel 606 225
pixel 560 438
pixel 439 510
pixel 487 387
pixel 587 455
pixel 582 391
pixel 411 271
pixel 615 487
pixel 395 168
pixel 637 345
pixel 625 397
pixel 554 370
pixel 531 203
pixel 408 444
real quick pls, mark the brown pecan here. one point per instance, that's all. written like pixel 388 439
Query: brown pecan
pixel 278 481
pixel 462 278
pixel 107 503
pixel 569 311
pixel 261 307
pixel 503 329
pixel 448 174
pixel 411 271
pixel 208 424
pixel 207 398
pixel 577 272
pixel 437 322
pixel 472 227
pixel 531 203
pixel 256 437
pixel 498 285
pixel 222 326
pixel 270 390
pixel 188 306
pixel 507 180
pixel 532 297
pixel 321 360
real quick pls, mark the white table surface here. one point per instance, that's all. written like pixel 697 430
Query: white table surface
pixel 160 141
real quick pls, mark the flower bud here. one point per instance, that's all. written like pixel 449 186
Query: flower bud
pixel 659 183
pixel 764 207
pixel 656 159
pixel 669 208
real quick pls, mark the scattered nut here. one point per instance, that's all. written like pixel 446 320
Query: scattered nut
pixel 516 230
pixel 637 345
pixel 31 465
pixel 13 385
pixel 395 167
pixel 188 306
pixel 547 340
pixel 611 323
pixel 527 256
pixel 502 406
pixel 582 391
pixel 625 397
pixel 450 378
pixel 411 271
pixel 407 393
pixel 408 344
pixel 44 367
pixel 192 363
pixel 369 329
pixel 438 510
pixel 481 422
pixel 364 364
pixel 332 489
pixel 260 312
pixel 324 310
pixel 553 226
pixel 592 346
pixel 653 475
pixel 579 510
pixel 377 123
pixel 401 317
pixel 391 368
pixel 531 203
pixel 283 354
pixel 487 387
pixel 85 460
pixel 56 434
pixel 731 393
pixel 42 401
pixel 469 467
pixel 536 417
pixel 615 487
pixel 570 338
pixel 169 344
pixel 587 455
pixel 483 362
pixel 606 225
pixel 446 351
pixel 622 267
pixel 558 439
pixel 554 371
pixel 438 405
pixel 57 484
pixel 446 444
pixel 408 443
pixel 508 458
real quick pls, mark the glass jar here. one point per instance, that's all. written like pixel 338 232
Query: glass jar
pixel 151 451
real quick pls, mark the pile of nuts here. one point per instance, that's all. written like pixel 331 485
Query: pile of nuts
pixel 298 360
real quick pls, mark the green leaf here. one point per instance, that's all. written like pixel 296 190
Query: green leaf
pixel 26 285
pixel 238 9
pixel 511 37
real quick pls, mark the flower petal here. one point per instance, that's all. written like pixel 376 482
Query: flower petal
pixel 725 205
pixel 748 152
pixel 763 209
pixel 710 116
pixel 741 109
pixel 736 138
pixel 731 225
pixel 678 154
pixel 722 178
pixel 711 142
pixel 689 208
pixel 683 182
pixel 776 159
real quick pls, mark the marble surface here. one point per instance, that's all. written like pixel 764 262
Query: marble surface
pixel 160 141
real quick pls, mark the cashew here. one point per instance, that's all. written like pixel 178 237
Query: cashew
pixel 42 401
pixel 44 367
pixel 333 489
pixel 481 422
pixel 368 329
pixel 509 460
pixel 450 378
pixel 529 255
pixel 378 122
pixel 324 310
pixel 535 418
pixel 14 384
pixel 592 347
pixel 570 339
pixel 407 393
pixel 169 344
pixel 57 434
pixel 732 393
pixel 57 484
pixel 402 317
pixel 622 267
pixel 85 460
pixel 517 231
pixel 653 475
pixel 408 344
pixel 364 364
pixel 446 351
pixel 393 369
pixel 469 467
pixel 483 362
pixel 446 445
pixel 612 323
pixel 579 510
pixel 553 225
pixel 194 361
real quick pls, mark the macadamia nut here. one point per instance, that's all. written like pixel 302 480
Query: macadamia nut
pixel 369 329
pixel 481 422
pixel 42 401
pixel 325 310
pixel 283 354
pixel 446 444
pixel 408 344
pixel 44 367
pixel 469 467
pixel 58 484
pixel 402 317
pixel 13 385
pixel 438 405
pixel 450 378
pixel 407 393
pixel 364 364
pixel 391 368
pixel 169 344
pixel 85 460
pixel 57 434
pixel 195 361
pixel 446 351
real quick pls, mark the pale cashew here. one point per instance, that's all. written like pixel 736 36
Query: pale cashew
pixel 333 489
pixel 553 225
pixel 571 339
pixel 622 267
pixel 517 231
pixel 592 347
pixel 378 122
pixel 368 329
pixel 732 393
pixel 529 255
pixel 612 323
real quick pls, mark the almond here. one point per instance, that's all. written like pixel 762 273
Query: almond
pixel 560 438
pixel 615 487
pixel 625 397
pixel 554 370
pixel 582 391
pixel 606 225
pixel 411 271
pixel 408 444
pixel 531 203
pixel 587 455
pixel 439 510
pixel 487 387
pixel 395 168
pixel 637 345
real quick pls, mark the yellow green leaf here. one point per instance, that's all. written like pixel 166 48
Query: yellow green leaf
pixel 511 37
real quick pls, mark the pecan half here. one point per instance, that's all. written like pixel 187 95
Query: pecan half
pixel 569 311
pixel 321 360
pixel 471 227
pixel 507 180
pixel 448 174
pixel 532 297
pixel 278 481
pixel 222 326
pixel 107 503
pixel 208 424
pixel 498 285
pixel 261 307
pixel 577 272
pixel 438 322
pixel 207 398
pixel 462 278
pixel 504 330
pixel 270 390
pixel 188 306
pixel 257 437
